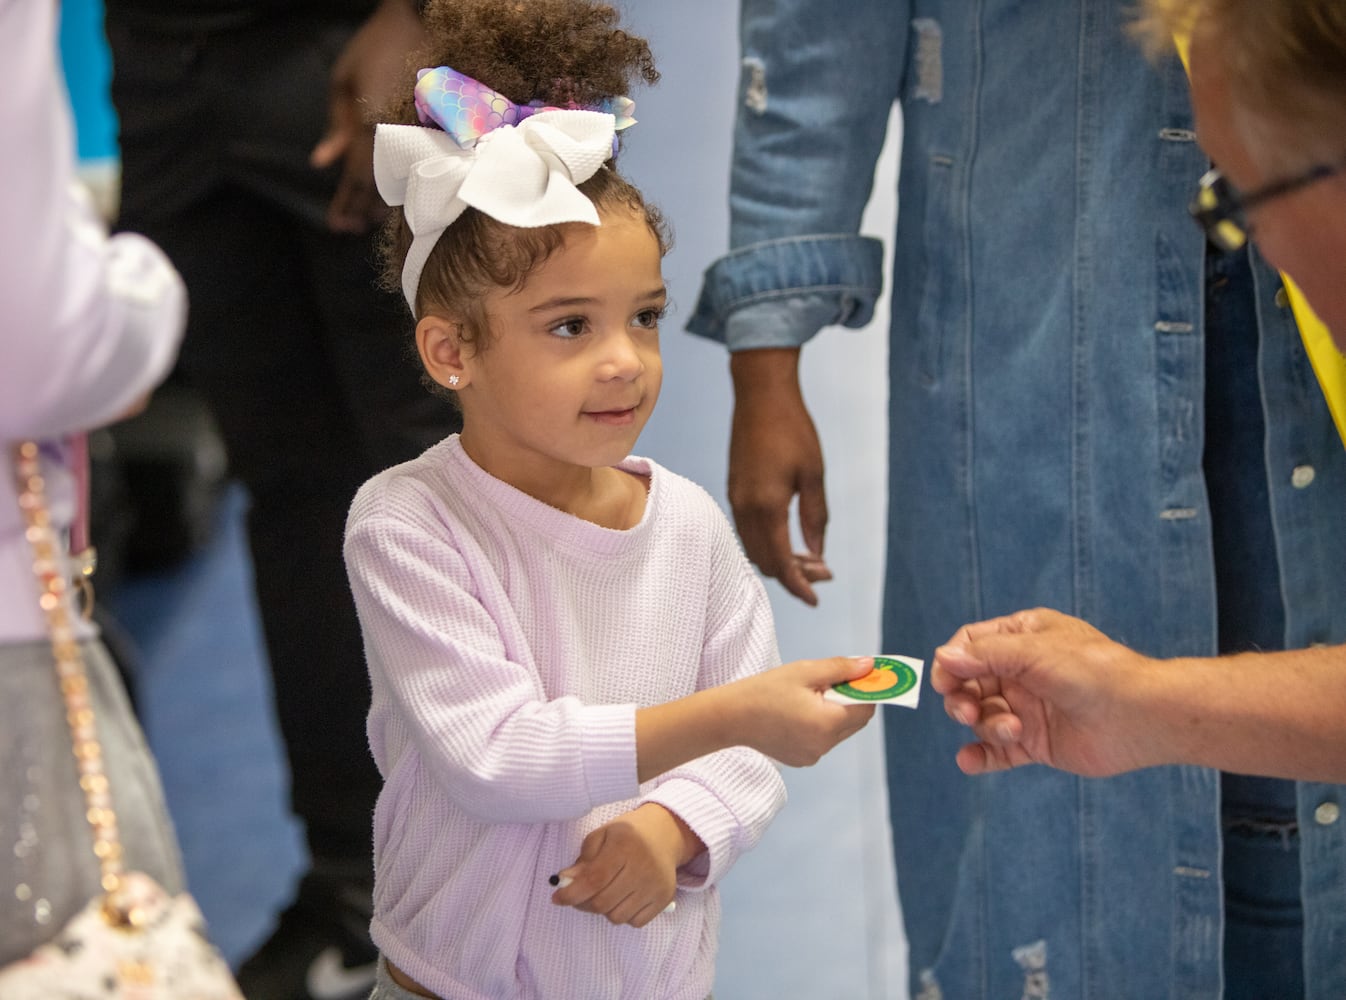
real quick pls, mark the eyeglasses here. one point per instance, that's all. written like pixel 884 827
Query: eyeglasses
pixel 1222 211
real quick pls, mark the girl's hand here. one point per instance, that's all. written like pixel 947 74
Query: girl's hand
pixel 780 712
pixel 627 869
pixel 365 76
pixel 786 717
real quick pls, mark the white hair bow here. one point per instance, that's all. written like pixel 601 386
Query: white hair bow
pixel 523 175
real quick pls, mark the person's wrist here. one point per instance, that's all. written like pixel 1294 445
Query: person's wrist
pixel 1143 707
pixel 675 838
pixel 767 370
pixel 687 844
pixel 724 717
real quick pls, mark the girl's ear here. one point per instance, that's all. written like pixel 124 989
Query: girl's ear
pixel 439 341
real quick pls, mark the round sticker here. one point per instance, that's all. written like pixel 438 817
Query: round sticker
pixel 888 679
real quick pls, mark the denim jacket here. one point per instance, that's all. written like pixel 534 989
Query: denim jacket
pixel 1046 429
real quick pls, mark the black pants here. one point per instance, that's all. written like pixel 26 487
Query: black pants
pixel 305 365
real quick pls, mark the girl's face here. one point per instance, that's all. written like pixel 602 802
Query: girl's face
pixel 569 371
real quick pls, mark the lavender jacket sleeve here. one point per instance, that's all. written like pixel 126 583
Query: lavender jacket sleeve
pixel 90 323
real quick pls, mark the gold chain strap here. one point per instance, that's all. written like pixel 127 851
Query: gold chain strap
pixel 49 565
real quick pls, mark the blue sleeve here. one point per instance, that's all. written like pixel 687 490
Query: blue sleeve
pixel 817 85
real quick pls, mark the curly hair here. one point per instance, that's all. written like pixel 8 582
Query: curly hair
pixel 556 51
pixel 560 52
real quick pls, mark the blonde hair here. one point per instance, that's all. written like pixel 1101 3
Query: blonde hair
pixel 1285 59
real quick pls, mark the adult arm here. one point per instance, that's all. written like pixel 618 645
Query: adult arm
pixel 90 324
pixel 1043 687
pixel 816 91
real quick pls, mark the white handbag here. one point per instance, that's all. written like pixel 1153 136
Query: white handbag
pixel 133 941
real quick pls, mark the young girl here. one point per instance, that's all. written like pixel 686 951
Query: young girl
pixel 566 645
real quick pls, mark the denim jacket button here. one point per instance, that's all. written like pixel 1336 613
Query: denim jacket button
pixel 1282 297
pixel 1327 813
pixel 1302 476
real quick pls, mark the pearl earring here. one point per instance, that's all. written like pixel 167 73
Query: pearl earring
pixel 453 380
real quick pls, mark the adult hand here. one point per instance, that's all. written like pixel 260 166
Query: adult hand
pixel 366 76
pixel 786 717
pixel 774 456
pixel 1041 687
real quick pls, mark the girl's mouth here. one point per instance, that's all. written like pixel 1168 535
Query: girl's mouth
pixel 613 418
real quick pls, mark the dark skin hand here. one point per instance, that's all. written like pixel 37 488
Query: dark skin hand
pixel 367 75
pixel 775 456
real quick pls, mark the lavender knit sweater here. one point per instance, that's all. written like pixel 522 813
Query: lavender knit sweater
pixel 509 645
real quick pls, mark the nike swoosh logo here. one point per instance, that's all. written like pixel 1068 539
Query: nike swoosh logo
pixel 328 979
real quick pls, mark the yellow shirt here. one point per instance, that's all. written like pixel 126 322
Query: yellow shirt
pixel 1328 364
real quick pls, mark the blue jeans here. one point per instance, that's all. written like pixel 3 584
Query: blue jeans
pixel 1264 915
pixel 1264 919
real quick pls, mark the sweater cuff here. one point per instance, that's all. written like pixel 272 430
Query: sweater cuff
pixel 711 820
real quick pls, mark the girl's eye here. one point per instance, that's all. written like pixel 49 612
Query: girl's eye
pixel 572 327
pixel 649 319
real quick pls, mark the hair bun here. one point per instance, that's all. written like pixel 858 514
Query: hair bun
pixel 560 52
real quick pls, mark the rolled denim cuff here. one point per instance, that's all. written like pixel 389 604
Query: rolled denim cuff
pixel 789 321
pixel 808 282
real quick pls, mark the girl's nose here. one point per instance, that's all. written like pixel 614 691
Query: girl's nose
pixel 621 358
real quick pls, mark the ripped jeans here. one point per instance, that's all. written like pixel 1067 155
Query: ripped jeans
pixel 1264 916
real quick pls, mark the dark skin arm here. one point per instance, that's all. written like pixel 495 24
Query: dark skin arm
pixel 367 75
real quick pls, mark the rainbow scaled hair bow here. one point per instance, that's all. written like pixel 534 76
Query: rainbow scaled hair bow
pixel 467 109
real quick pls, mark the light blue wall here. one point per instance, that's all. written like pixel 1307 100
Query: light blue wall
pixel 823 921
